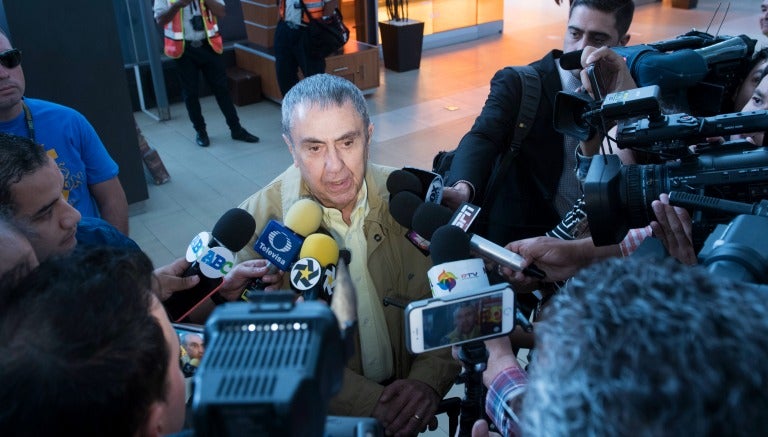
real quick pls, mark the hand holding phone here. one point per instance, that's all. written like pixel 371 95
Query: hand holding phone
pixel 445 321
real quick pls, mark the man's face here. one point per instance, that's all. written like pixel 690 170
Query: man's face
pixel 11 84
pixel 749 85
pixel 758 101
pixel 39 204
pixel 15 250
pixel 764 17
pixel 173 407
pixel 464 320
pixel 590 27
pixel 330 148
pixel 193 343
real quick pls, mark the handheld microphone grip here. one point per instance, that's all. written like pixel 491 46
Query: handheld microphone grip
pixel 213 260
pixel 500 255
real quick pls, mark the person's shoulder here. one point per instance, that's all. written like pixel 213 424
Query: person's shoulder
pixel 37 105
pixel 93 231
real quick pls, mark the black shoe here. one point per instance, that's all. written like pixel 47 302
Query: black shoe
pixel 244 135
pixel 202 139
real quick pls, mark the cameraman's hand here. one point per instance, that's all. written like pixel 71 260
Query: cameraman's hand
pixel 454 196
pixel 613 70
pixel 674 229
pixel 406 407
pixel 237 279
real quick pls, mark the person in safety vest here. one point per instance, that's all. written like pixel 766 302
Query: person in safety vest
pixel 192 38
pixel 292 41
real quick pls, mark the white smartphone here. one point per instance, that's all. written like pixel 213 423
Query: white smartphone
pixel 444 321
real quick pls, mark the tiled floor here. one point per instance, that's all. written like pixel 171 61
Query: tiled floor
pixel 415 114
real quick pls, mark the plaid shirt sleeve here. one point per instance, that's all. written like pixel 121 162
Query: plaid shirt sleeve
pixel 502 404
pixel 634 238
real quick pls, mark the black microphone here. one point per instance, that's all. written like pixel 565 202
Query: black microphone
pixel 454 271
pixel 401 180
pixel 431 184
pixel 402 207
pixel 212 256
pixel 431 216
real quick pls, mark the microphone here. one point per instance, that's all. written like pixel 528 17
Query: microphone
pixel 401 180
pixel 454 271
pixel 280 244
pixel 314 274
pixel 402 207
pixel 431 184
pixel 432 216
pixel 212 256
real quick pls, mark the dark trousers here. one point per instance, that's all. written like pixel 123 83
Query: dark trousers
pixel 189 65
pixel 291 53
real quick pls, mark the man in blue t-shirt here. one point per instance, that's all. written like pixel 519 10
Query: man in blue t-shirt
pixel 90 175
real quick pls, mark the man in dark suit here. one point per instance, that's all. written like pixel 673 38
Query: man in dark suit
pixel 540 186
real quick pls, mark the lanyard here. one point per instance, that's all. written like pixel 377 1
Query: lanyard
pixel 30 122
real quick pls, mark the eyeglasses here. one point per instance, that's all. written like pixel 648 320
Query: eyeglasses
pixel 10 58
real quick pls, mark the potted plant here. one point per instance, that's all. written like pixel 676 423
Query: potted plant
pixel 401 37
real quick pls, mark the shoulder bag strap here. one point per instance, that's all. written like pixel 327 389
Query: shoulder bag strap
pixel 530 84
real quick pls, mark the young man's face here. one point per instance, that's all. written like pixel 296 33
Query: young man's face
pixel 764 17
pixel 590 27
pixel 330 148
pixel 39 205
pixel 758 101
pixel 747 88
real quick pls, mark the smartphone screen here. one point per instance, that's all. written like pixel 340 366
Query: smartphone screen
pixel 436 323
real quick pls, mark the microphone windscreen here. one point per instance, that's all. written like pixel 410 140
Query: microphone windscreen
pixel 449 243
pixel 428 217
pixel 401 180
pixel 321 247
pixel 571 60
pixel 303 217
pixel 234 229
pixel 402 206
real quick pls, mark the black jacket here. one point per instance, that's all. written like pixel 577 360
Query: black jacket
pixel 524 202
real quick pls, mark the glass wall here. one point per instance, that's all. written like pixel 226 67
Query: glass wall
pixel 444 15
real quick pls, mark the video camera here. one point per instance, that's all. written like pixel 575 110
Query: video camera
pixel 697 73
pixel 618 197
pixel 270 369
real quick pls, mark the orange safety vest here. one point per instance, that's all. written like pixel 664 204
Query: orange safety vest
pixel 315 9
pixel 174 32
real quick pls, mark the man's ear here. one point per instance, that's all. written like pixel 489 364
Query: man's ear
pixel 154 426
pixel 291 149
pixel 624 39
pixel 370 134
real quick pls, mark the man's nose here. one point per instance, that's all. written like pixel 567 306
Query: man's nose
pixel 333 161
pixel 71 217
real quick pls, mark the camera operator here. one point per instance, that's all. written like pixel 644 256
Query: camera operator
pixel 686 343
pixel 561 258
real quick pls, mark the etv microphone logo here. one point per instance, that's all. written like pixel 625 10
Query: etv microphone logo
pixel 446 280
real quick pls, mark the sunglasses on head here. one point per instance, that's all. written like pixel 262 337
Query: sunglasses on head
pixel 10 58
